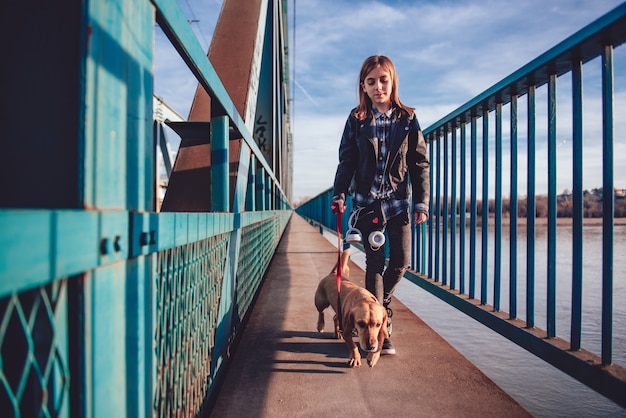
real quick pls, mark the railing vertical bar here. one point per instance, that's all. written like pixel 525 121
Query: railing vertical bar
pixel 431 154
pixel 453 257
pixel 270 187
pixel 608 205
pixel 530 209
pixel 513 212
pixel 485 210
pixel 462 222
pixel 444 216
pixel 551 261
pixel 423 237
pixel 414 245
pixel 437 276
pixel 473 169
pixel 260 190
pixel 497 262
pixel 420 247
pixel 413 262
pixel 219 165
pixel 251 204
pixel 577 206
pixel 417 247
pixel 161 138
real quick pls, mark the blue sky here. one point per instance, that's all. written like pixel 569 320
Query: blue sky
pixel 446 52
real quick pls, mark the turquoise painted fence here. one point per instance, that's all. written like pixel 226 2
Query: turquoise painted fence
pixel 108 307
pixel 451 260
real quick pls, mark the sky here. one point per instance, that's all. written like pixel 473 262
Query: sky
pixel 445 53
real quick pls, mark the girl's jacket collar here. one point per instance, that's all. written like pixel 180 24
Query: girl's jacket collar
pixel 399 130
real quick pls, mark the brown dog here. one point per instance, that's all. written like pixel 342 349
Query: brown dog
pixel 360 310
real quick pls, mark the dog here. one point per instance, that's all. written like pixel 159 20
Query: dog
pixel 360 310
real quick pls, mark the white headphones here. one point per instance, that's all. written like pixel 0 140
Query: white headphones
pixel 376 239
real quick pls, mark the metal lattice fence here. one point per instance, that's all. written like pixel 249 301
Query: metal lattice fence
pixel 34 377
pixel 189 280
pixel 255 255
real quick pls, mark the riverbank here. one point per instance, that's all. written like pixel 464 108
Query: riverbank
pixel 544 221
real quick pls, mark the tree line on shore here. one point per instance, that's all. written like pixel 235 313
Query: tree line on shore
pixel 592 205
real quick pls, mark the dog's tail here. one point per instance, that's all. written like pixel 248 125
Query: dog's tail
pixel 345 259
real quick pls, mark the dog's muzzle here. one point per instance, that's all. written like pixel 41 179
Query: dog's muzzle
pixel 370 347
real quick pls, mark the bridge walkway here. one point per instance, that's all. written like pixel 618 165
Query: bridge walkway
pixel 283 367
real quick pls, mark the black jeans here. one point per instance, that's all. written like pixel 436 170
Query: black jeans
pixel 382 284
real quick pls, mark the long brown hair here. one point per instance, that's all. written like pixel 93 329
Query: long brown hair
pixel 365 103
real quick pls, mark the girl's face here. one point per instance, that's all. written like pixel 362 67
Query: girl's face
pixel 377 85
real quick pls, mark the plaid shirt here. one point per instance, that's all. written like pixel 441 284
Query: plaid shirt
pixel 381 189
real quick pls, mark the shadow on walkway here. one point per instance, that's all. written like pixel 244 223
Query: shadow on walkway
pixel 282 367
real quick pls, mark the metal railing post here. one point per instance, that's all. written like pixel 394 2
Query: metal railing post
pixel 219 165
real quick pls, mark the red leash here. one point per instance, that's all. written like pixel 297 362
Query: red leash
pixel 339 268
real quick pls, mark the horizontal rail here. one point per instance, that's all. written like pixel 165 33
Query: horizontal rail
pixel 40 246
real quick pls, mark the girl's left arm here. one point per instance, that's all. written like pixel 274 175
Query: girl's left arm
pixel 419 168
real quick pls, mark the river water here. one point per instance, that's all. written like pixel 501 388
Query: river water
pixel 541 388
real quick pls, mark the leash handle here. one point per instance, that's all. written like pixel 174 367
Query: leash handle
pixel 339 268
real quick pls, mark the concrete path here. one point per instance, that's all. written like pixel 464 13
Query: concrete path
pixel 282 367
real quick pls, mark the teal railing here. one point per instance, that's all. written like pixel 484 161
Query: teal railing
pixel 458 255
pixel 109 307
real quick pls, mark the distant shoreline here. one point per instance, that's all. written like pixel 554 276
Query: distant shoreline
pixel 544 221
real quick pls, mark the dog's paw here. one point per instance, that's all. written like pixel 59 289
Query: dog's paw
pixel 372 358
pixel 355 361
pixel 320 322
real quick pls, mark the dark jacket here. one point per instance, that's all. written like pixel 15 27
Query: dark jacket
pixel 407 159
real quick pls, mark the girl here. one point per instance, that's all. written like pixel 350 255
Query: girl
pixel 381 150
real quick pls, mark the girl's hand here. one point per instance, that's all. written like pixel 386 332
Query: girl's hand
pixel 337 206
pixel 419 217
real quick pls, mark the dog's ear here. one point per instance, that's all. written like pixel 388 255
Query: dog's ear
pixel 348 321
